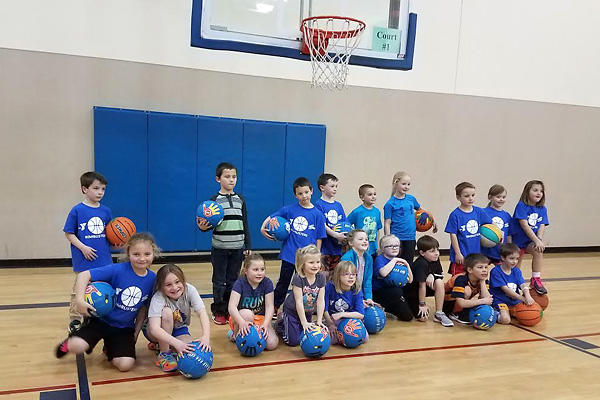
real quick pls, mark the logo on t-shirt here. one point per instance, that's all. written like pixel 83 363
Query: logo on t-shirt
pixel 472 227
pixel 95 225
pixel 333 217
pixel 130 296
pixel 300 224
pixel 499 222
pixel 341 305
pixel 532 219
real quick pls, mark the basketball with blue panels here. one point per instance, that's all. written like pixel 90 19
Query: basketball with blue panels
pixel 251 344
pixel 352 332
pixel 279 228
pixel 482 317
pixel 398 276
pixel 101 296
pixel 344 227
pixel 211 211
pixel 195 364
pixel 315 343
pixel 374 319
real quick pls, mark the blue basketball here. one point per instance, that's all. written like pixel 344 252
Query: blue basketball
pixel 352 332
pixel 196 364
pixel 102 296
pixel 343 227
pixel 211 211
pixel 279 228
pixel 398 276
pixel 252 344
pixel 315 343
pixel 374 319
pixel 482 317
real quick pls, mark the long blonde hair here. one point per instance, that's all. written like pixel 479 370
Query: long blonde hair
pixel 302 254
pixel 341 268
pixel 397 176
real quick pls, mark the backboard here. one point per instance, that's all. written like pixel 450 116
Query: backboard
pixel 272 27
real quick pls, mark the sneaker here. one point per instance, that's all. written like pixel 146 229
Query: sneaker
pixel 166 362
pixel 154 346
pixel 537 285
pixel 62 349
pixel 230 335
pixel 390 316
pixel 74 326
pixel 219 319
pixel 456 318
pixel 275 314
pixel 442 319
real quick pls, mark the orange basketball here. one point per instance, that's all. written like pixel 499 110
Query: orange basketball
pixel 119 230
pixel 528 315
pixel 541 299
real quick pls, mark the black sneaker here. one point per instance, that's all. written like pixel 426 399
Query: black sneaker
pixel 456 318
pixel 62 349
pixel 74 327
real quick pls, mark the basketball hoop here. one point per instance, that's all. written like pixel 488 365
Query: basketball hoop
pixel 330 41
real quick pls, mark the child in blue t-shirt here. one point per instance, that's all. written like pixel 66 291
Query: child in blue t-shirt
pixel 343 298
pixel 251 302
pixel 133 283
pixel 507 285
pixel 332 210
pixel 307 226
pixel 399 215
pixel 367 217
pixel 529 224
pixel 463 227
pixel 500 218
pixel 85 230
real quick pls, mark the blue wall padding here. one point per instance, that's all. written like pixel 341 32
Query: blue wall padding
pixel 263 175
pixel 219 140
pixel 172 180
pixel 161 166
pixel 304 156
pixel 121 155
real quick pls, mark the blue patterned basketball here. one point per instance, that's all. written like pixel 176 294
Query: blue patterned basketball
pixel 343 227
pixel 352 332
pixel 102 296
pixel 482 317
pixel 196 364
pixel 315 343
pixel 251 344
pixel 398 276
pixel 279 228
pixel 374 319
pixel 211 211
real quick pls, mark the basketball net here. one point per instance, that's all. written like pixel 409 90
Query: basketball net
pixel 330 41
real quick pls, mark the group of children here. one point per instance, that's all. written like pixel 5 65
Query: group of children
pixel 333 275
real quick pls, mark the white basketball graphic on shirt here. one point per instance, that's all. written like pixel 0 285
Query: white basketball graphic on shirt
pixel 300 224
pixel 499 222
pixel 131 296
pixel 332 216
pixel 95 225
pixel 532 219
pixel 472 227
pixel 341 305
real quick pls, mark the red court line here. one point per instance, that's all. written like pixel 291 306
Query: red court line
pixel 341 356
pixel 37 389
pixel 574 336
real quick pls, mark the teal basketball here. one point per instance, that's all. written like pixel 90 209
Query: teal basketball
pixel 490 234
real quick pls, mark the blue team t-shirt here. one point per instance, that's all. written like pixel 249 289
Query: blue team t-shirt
pixel 333 214
pixel 378 280
pixel 501 219
pixel 534 215
pixel 466 227
pixel 343 302
pixel 306 226
pixel 88 224
pixel 498 279
pixel 369 220
pixel 402 214
pixel 250 298
pixel 133 291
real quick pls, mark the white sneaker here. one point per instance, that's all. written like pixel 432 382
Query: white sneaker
pixel 442 319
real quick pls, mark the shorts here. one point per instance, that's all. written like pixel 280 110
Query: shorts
pixel 119 342
pixel 290 328
pixel 182 330
pixel 456 269
pixel 258 321
pixel 329 262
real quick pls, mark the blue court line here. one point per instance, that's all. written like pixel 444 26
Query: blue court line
pixel 65 394
pixel 84 388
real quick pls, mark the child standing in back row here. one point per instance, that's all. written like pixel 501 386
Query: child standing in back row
pixel 399 215
pixel 367 217
pixel 500 218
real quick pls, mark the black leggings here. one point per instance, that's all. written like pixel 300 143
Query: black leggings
pixel 393 301
pixel 407 250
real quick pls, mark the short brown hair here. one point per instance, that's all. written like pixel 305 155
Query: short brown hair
pixel 476 258
pixel 509 248
pixel 363 188
pixel 462 186
pixel 89 177
pixel 427 243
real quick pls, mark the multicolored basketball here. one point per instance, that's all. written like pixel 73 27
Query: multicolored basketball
pixel 279 228
pixel 211 211
pixel 351 332
pixel 374 319
pixel 196 364
pixel 343 227
pixel 251 344
pixel 119 230
pixel 490 235
pixel 528 315
pixel 315 343
pixel 398 276
pixel 424 220
pixel 482 317
pixel 101 296
pixel 541 299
